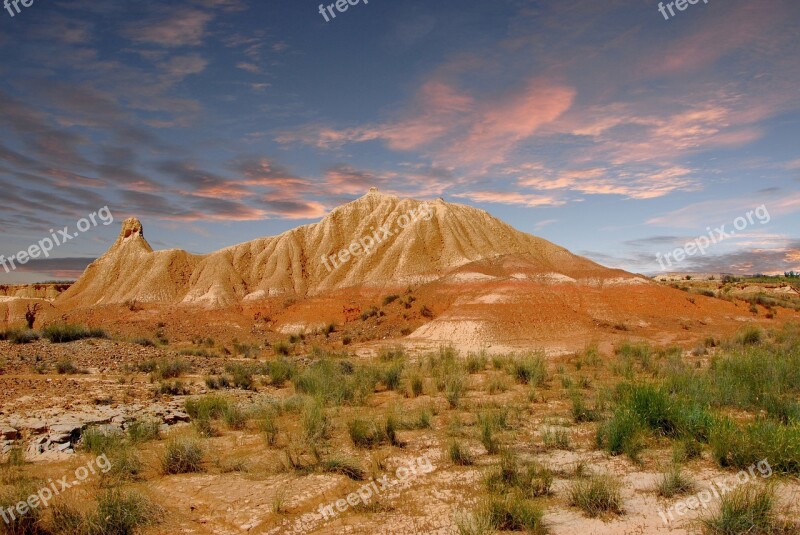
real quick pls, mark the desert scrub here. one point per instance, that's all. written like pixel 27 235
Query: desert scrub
pixel 19 336
pixel 740 446
pixel 170 369
pixel 30 523
pixel 459 454
pixel 99 440
pixel 530 369
pixel 144 430
pixel 476 362
pixel 67 367
pixel 345 466
pixel 280 371
pixel 747 509
pixel 468 523
pixel 267 424
pixel 62 333
pixel 122 512
pixel 514 513
pixel 337 383
pixel 555 438
pixel 596 496
pixel 316 425
pixel 673 483
pixel 370 433
pixel 182 456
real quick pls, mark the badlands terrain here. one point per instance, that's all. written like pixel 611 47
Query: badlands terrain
pixel 469 377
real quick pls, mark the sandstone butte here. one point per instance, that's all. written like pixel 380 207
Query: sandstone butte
pixel 485 282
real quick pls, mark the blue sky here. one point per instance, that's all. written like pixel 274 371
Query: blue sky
pixel 597 125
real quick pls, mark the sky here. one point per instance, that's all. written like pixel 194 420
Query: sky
pixel 604 127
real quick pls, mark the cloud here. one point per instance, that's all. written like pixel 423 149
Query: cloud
pixel 463 130
pixel 504 197
pixel 174 27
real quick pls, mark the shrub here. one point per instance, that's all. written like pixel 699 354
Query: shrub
pixel 144 342
pixel 389 299
pixel 66 367
pixel 750 335
pixel 19 337
pixel 596 496
pixel 454 389
pixel 182 456
pixel 63 333
pixel 487 435
pixel 281 348
pixel 581 412
pixel 173 388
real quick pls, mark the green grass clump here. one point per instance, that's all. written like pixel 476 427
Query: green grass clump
pixel 182 456
pixel 459 454
pixel 596 496
pixel 514 513
pixel 370 433
pixel 170 369
pixel 144 430
pixel 280 371
pixel 336 383
pixel 63 333
pixel 97 440
pixel 738 446
pixel 530 369
pixel 673 483
pixel 476 362
pixel 122 513
pixel 556 438
pixel 748 509
pixel 473 523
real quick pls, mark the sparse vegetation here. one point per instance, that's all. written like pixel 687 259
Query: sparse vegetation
pixel 596 496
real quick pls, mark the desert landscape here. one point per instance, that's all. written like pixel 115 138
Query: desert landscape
pixel 529 388
pixel 399 268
